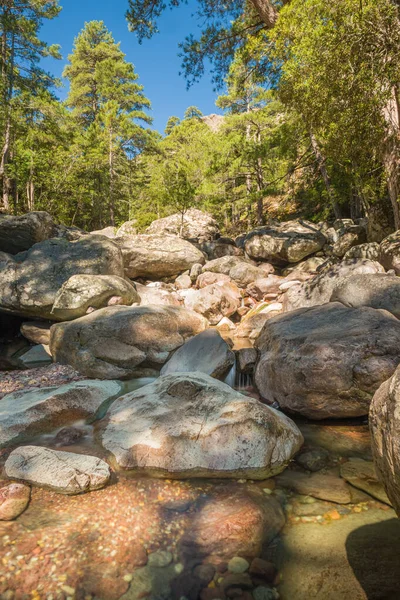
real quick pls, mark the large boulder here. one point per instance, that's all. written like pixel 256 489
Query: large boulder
pixel 384 421
pixel 221 299
pixel 284 243
pixel 206 352
pixel 194 225
pixel 27 412
pixel 389 252
pixel 29 282
pixel 157 256
pixel 191 425
pixel 121 342
pixel 83 293
pixel 63 472
pixel 319 290
pixel 21 233
pixel 377 290
pixel 327 361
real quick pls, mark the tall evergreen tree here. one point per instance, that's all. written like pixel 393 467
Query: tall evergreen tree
pixel 108 104
pixel 20 73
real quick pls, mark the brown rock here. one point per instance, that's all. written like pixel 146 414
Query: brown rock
pixel 14 498
pixel 232 522
pixel 263 569
pixel 325 487
pixel 385 431
pixel 37 332
pixel 327 361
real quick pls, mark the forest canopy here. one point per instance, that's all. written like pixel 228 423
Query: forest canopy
pixel 310 125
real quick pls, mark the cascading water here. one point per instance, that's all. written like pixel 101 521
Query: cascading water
pixel 230 379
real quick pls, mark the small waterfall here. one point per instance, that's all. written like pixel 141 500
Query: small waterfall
pixel 230 379
pixel 244 381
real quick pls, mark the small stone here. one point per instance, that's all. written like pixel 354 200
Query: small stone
pixel 14 499
pixel 238 565
pixel 313 459
pixel 68 589
pixel 205 573
pixel 264 569
pixel 128 578
pixel 162 558
pixel 238 580
pixel 265 593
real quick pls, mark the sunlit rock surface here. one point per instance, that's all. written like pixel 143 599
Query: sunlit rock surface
pixel 327 361
pixel 191 425
pixel 63 472
pixel 121 342
pixel 206 352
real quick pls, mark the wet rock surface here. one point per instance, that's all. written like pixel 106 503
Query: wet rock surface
pixel 28 412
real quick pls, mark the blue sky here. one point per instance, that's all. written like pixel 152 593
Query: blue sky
pixel 156 60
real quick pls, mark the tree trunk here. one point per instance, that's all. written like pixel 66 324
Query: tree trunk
pixel 248 176
pixel 111 182
pixel 266 11
pixel 325 176
pixel 5 154
pixel 391 154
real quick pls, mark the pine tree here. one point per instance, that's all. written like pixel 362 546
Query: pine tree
pixel 107 102
pixel 20 53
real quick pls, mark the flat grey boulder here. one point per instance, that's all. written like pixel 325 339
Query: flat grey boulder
pixel 221 299
pixel 319 289
pixel 206 352
pixel 29 282
pixel 194 225
pixel 37 356
pixel 377 290
pixel 29 412
pixel 19 233
pixel 63 472
pixel 384 422
pixel 327 361
pixel 191 425
pixel 121 342
pixel 85 293
pixel 284 243
pixel 157 256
